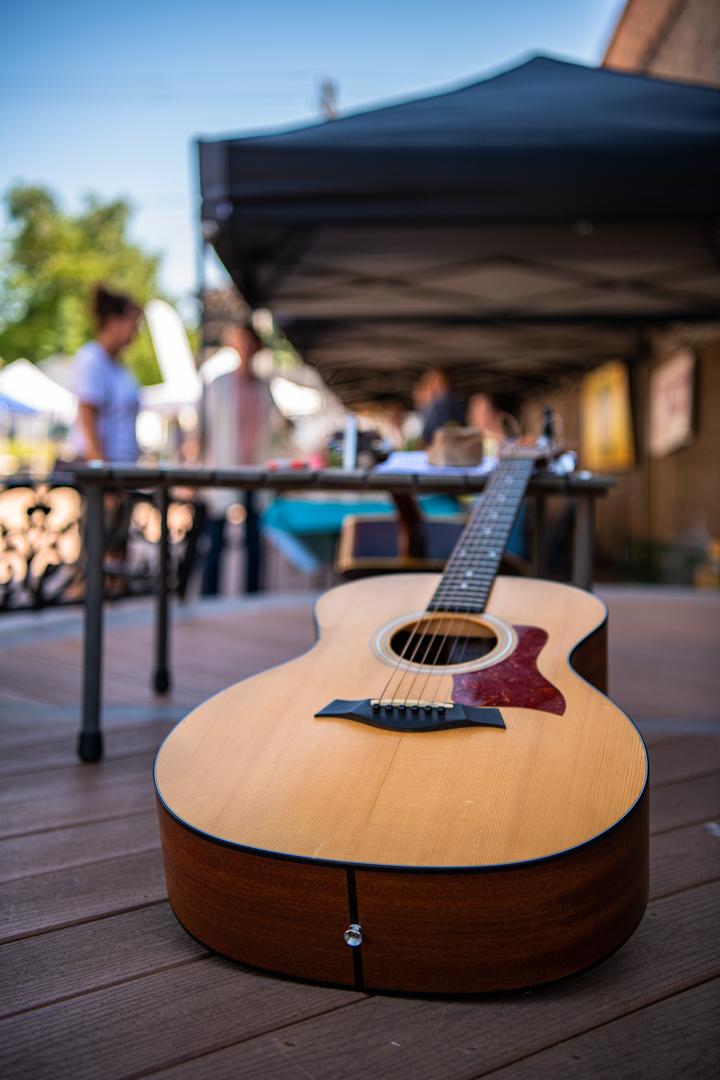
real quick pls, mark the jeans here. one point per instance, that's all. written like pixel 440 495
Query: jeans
pixel 215 532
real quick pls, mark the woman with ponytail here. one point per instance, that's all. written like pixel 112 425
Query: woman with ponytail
pixel 107 391
pixel 107 409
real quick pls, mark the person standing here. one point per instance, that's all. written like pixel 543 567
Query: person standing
pixel 108 400
pixel 106 389
pixel 236 422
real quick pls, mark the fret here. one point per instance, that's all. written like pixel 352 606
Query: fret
pixel 472 567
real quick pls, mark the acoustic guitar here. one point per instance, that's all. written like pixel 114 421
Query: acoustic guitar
pixel 437 797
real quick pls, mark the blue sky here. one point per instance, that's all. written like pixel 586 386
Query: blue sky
pixel 106 98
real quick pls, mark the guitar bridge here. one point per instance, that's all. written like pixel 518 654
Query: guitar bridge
pixel 412 715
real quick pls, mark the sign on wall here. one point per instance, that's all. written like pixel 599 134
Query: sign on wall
pixel 607 442
pixel 672 392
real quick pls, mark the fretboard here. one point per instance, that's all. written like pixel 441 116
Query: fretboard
pixel 473 565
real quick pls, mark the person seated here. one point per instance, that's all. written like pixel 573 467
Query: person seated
pixel 440 405
pixel 494 416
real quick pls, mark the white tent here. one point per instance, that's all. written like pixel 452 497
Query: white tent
pixel 181 383
pixel 25 383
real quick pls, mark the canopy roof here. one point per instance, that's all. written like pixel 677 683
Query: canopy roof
pixel 533 221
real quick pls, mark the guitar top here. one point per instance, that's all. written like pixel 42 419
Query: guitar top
pixel 255 766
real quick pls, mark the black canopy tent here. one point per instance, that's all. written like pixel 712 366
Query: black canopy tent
pixel 536 221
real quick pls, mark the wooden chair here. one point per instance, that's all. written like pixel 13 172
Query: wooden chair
pixel 403 543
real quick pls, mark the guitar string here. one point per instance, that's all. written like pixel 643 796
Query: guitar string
pixel 420 637
pixel 412 673
pixel 512 491
pixel 464 546
pixel 473 548
pixel 403 656
pixel 459 552
pixel 477 552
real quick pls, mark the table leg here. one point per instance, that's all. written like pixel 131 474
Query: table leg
pixel 538 559
pixel 583 542
pixel 161 677
pixel 411 536
pixel 90 738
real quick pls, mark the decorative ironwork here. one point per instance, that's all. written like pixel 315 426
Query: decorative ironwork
pixel 41 560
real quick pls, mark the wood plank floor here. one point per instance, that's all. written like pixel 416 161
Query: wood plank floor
pixel 99 981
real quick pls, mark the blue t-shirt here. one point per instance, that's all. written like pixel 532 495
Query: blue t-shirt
pixel 113 390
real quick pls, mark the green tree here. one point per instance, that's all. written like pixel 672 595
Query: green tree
pixel 49 264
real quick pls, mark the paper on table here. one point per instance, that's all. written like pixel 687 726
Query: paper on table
pixel 416 461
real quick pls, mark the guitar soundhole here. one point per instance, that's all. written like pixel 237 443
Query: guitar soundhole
pixel 443 641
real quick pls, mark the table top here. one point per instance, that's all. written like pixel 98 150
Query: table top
pixel 285 479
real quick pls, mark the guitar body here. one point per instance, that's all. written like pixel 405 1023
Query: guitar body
pixel 449 859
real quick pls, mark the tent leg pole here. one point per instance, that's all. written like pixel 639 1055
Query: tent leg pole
pixel 161 677
pixel 583 542
pixel 539 549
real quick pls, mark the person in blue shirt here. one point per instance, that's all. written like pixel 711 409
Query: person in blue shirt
pixel 108 401
pixel 107 390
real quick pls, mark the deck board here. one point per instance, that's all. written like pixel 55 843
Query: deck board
pixel 60 752
pixel 433 1039
pixel 41 902
pixel 92 955
pixel 683 858
pixel 77 807
pixel 623 1048
pixel 100 981
pixel 685 758
pixel 685 802
pixel 42 852
pixel 152 1022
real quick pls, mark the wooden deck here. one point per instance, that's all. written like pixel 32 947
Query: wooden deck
pixel 98 980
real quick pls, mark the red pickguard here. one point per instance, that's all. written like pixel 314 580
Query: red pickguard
pixel 513 682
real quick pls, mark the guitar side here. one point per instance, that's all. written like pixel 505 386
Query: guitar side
pixel 390 832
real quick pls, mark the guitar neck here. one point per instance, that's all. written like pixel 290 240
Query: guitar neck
pixel 473 565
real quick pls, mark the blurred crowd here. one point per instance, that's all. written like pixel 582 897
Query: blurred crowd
pixel 239 423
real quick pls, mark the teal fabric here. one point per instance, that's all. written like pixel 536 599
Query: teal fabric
pixel 308 517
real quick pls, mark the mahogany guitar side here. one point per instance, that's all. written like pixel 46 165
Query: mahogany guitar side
pixel 472 859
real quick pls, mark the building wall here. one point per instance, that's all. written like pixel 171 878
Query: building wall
pixel 677 39
pixel 672 501
pixel 664 503
pixel 684 486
